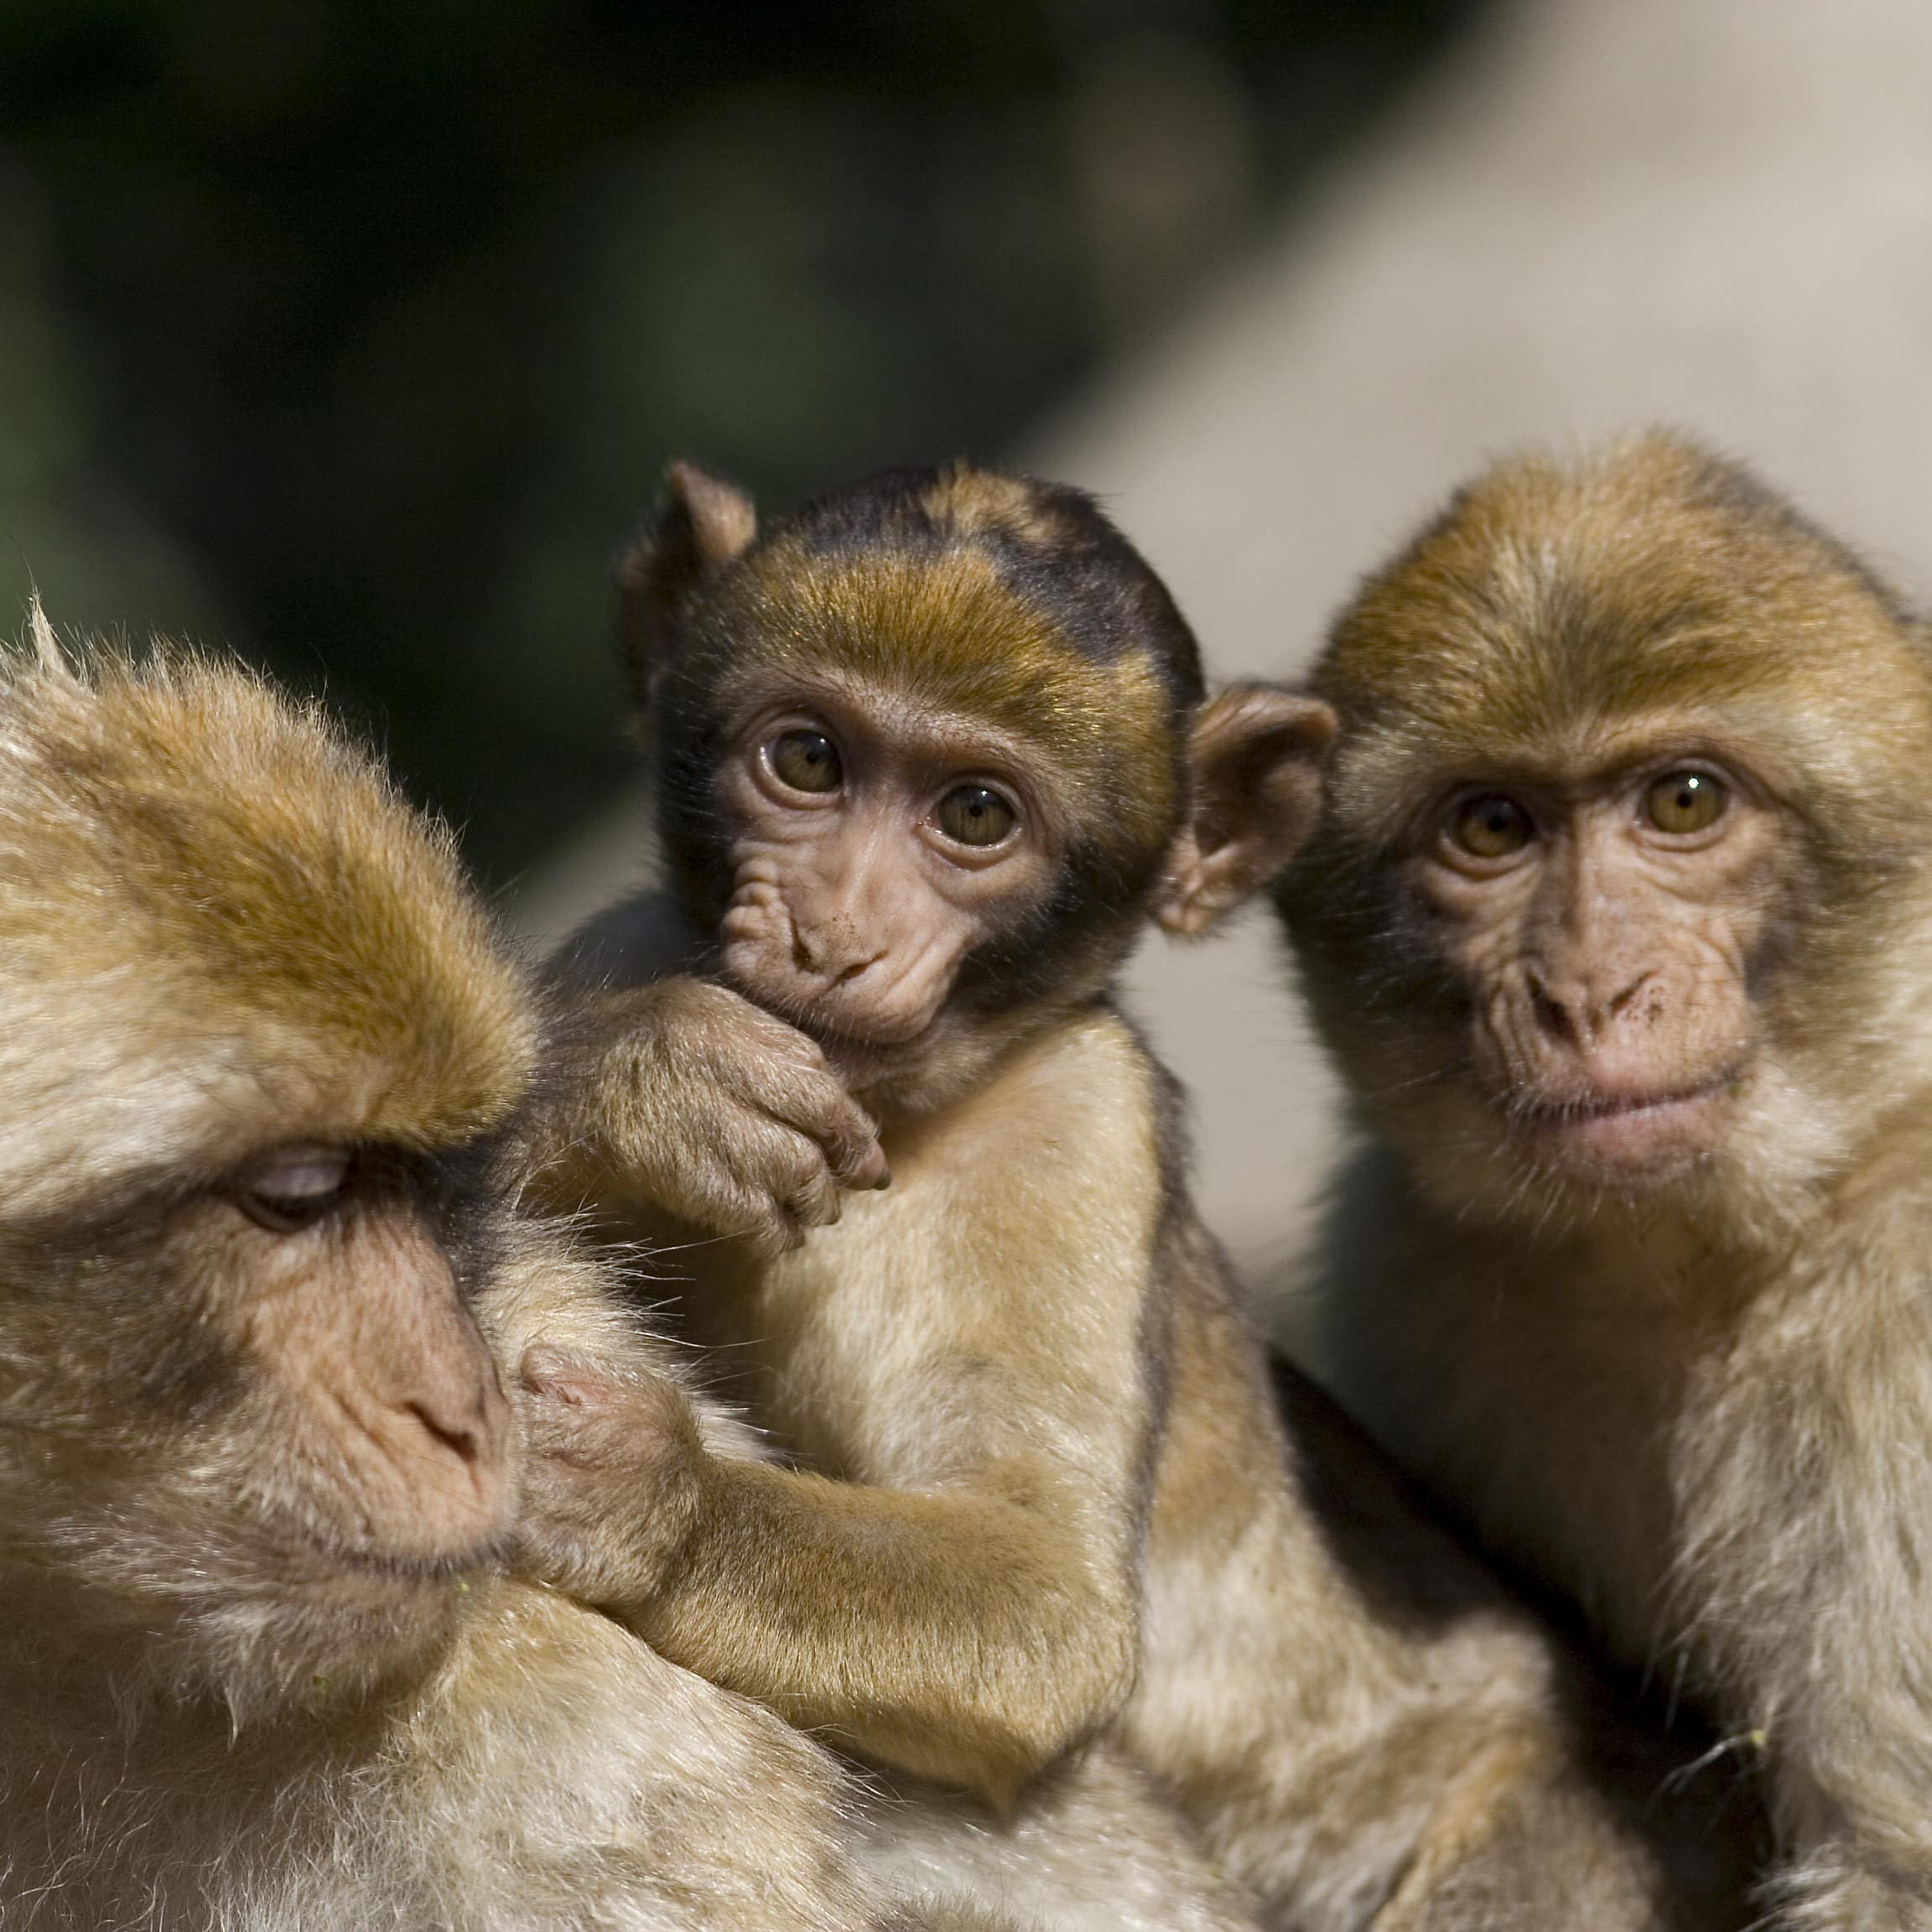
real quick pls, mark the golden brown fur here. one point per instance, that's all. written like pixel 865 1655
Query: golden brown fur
pixel 238 1697
pixel 1672 1355
pixel 1044 1519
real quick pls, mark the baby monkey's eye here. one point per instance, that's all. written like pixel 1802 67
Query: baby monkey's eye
pixel 1683 802
pixel 975 815
pixel 293 1189
pixel 1492 826
pixel 806 761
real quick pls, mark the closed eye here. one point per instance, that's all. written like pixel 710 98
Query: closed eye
pixel 293 1189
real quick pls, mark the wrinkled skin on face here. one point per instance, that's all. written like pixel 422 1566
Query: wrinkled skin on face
pixel 1606 931
pixel 328 1433
pixel 875 842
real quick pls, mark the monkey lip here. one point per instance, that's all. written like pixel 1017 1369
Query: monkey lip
pixel 1631 1130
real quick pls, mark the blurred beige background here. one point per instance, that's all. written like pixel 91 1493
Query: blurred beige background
pixel 1604 213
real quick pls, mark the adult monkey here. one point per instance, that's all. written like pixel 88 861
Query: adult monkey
pixel 1617 922
pixel 929 759
pixel 261 1666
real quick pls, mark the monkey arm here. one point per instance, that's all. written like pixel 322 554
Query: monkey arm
pixel 963 1635
pixel 969 1634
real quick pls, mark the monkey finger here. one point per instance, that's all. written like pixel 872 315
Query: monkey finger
pixel 811 1199
pixel 817 1106
pixel 754 1216
pixel 560 1376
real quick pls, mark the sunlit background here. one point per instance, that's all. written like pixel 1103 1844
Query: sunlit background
pixel 356 336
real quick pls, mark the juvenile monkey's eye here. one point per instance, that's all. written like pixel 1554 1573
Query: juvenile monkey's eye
pixel 293 1189
pixel 1684 801
pixel 1492 826
pixel 806 761
pixel 975 815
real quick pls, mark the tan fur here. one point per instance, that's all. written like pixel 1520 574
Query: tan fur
pixel 221 932
pixel 950 630
pixel 1700 1406
pixel 1045 1524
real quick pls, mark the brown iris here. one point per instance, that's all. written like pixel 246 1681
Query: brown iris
pixel 974 815
pixel 806 761
pixel 1681 801
pixel 1491 826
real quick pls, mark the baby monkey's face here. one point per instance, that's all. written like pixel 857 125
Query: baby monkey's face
pixel 876 841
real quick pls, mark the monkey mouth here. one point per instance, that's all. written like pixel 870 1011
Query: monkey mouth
pixel 1634 1134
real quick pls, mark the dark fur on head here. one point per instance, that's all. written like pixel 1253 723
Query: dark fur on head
pixel 1000 596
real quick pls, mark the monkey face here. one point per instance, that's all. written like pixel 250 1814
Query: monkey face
pixel 261 1046
pixel 287 1443
pixel 875 843
pixel 1607 897
pixel 1605 934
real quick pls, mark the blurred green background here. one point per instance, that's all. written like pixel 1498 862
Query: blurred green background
pixel 356 336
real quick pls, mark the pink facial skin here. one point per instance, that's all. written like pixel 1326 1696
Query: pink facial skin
pixel 875 843
pixel 1606 929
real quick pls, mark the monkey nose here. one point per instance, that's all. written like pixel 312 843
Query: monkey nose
pixel 1576 1011
pixel 831 955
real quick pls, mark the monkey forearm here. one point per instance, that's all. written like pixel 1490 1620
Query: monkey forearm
pixel 959 1636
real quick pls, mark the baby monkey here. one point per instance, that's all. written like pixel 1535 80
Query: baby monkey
pixel 930 752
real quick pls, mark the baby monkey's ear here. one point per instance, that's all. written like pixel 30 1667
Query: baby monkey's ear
pixel 1256 752
pixel 704 524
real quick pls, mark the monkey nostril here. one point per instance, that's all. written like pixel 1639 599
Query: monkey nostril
pixel 856 968
pixel 1629 993
pixel 1552 1013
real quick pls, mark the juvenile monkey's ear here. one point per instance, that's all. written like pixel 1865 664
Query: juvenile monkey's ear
pixel 1257 753
pixel 704 524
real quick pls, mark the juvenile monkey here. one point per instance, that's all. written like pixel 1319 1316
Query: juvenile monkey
pixel 261 1669
pixel 1617 923
pixel 929 755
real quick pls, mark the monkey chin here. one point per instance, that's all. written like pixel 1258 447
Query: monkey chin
pixel 274 1616
pixel 347 1631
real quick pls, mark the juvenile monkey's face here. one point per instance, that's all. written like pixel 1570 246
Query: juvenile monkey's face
pixel 1582 974
pixel 1621 872
pixel 1604 932
pixel 875 842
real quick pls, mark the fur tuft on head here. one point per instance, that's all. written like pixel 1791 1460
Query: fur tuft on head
pixel 202 875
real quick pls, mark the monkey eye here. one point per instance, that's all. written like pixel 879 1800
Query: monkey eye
pixel 293 1189
pixel 806 761
pixel 1681 801
pixel 974 815
pixel 1491 825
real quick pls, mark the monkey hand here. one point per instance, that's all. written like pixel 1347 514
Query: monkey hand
pixel 612 1476
pixel 726 1116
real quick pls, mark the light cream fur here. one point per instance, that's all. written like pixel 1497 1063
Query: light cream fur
pixel 1042 1521
pixel 1354 1717
pixel 1698 1403
pixel 221 932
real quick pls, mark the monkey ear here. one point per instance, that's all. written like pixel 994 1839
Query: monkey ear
pixel 704 524
pixel 1257 752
